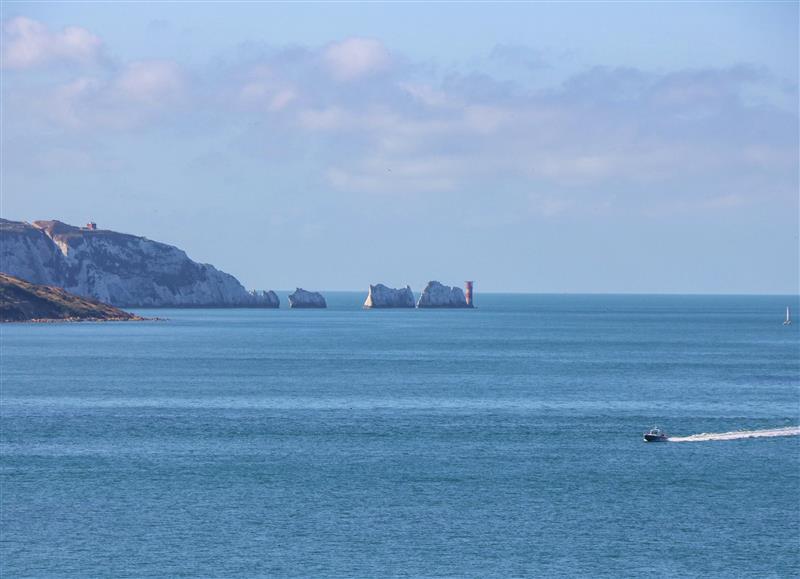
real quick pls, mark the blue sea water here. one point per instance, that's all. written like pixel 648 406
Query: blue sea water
pixel 499 442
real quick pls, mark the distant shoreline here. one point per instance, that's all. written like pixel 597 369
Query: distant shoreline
pixel 79 320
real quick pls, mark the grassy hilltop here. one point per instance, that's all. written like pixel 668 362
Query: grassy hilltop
pixel 21 301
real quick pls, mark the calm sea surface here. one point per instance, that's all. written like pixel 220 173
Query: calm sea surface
pixel 499 442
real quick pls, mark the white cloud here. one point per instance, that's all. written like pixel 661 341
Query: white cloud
pixel 355 58
pixel 327 119
pixel 138 92
pixel 28 43
pixel 425 94
pixel 262 90
pixel 392 178
pixel 550 205
pixel 386 173
pixel 485 119
pixel 66 104
pixel 153 82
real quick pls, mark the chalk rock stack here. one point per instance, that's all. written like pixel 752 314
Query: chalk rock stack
pixel 436 295
pixel 266 299
pixel 381 296
pixel 305 299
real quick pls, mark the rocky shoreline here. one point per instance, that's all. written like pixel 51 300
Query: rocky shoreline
pixel 121 270
pixel 23 302
pixel 77 320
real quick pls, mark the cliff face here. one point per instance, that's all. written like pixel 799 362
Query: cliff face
pixel 305 299
pixel 116 268
pixel 21 301
pixel 436 295
pixel 381 296
pixel 28 253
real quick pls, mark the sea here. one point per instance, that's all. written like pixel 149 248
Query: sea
pixel 504 441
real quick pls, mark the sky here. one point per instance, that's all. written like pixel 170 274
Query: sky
pixel 532 147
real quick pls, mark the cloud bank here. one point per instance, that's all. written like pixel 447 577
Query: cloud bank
pixel 368 122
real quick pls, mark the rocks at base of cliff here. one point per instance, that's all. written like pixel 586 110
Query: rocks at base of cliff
pixel 305 299
pixel 381 296
pixel 118 269
pixel 436 295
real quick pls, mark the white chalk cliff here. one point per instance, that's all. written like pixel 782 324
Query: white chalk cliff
pixel 305 299
pixel 436 295
pixel 381 296
pixel 116 268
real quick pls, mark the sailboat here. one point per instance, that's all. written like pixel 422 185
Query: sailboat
pixel 788 320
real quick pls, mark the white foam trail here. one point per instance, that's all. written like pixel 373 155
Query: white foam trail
pixel 788 431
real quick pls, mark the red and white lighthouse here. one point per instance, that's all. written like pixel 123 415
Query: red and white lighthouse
pixel 468 293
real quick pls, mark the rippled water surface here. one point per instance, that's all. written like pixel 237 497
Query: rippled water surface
pixel 500 442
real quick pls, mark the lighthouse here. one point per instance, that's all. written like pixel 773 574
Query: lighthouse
pixel 468 293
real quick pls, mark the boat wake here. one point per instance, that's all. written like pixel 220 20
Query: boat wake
pixel 788 431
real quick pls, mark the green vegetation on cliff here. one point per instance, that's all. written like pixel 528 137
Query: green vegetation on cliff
pixel 22 301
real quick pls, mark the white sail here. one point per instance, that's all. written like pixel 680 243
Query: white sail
pixel 788 319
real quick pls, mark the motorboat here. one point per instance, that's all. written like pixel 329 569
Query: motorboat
pixel 655 434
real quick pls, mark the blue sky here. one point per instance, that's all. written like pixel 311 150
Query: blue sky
pixel 545 147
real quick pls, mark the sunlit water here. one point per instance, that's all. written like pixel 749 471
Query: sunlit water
pixel 500 442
